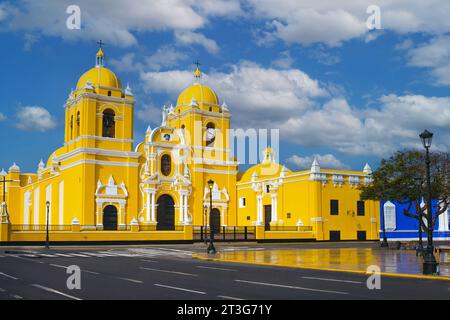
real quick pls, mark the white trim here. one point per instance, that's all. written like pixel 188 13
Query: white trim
pixel 203 170
pixel 100 97
pixel 99 152
pixel 99 139
pixel 98 162
pixel 208 161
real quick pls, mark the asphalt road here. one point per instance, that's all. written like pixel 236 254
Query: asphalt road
pixel 157 273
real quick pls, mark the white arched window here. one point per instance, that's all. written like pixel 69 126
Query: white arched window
pixel 390 220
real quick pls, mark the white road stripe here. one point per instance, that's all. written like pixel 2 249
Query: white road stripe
pixel 55 291
pixel 335 280
pixel 177 288
pixel 146 260
pixel 169 271
pixel 214 268
pixel 58 266
pixel 8 276
pixel 130 280
pixel 92 272
pixel 2 290
pixel 65 255
pixel 27 259
pixel 79 255
pixel 229 298
pixel 47 255
pixel 16 296
pixel 290 287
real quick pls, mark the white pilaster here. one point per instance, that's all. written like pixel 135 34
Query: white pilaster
pixel 274 213
pixel 181 208
pixel 153 216
pixel 186 212
pixel 259 221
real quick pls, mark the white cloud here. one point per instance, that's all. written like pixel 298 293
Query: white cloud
pixel 113 21
pixel 284 60
pixel 149 114
pixel 307 113
pixel 2 117
pixel 163 57
pixel 335 21
pixel 34 118
pixel 189 38
pixel 326 161
pixel 434 55
pixel 260 95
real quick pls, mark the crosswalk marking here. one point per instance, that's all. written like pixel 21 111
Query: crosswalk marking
pixel 128 253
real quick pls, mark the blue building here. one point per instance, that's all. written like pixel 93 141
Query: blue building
pixel 401 228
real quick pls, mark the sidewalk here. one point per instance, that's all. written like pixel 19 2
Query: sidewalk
pixel 390 262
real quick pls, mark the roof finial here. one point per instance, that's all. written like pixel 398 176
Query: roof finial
pixel 100 57
pixel 197 72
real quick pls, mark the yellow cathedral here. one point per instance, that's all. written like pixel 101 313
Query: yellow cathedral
pixel 101 186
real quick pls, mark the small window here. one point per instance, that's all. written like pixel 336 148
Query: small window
pixel 109 93
pixel 109 124
pixel 210 109
pixel 267 188
pixel 288 215
pixel 360 208
pixel 166 165
pixel 334 207
pixel 242 202
pixel 248 218
pixel 78 118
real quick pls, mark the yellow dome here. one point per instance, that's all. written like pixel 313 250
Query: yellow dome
pixel 99 76
pixel 201 93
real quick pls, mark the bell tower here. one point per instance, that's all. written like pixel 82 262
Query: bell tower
pixel 99 112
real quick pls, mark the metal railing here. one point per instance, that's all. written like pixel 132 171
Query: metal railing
pixel 43 227
pixel 202 233
pixel 290 228
pixel 154 228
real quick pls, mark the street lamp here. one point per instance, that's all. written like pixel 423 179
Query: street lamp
pixel 211 249
pixel 429 264
pixel 47 243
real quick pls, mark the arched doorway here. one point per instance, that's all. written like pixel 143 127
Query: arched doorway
pixel 110 218
pixel 165 214
pixel 215 220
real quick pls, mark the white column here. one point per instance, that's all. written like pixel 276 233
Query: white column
pixel 153 207
pixel 36 206
pixel 274 212
pixel 259 210
pixel 148 206
pixel 181 208
pixel 186 212
pixel 26 208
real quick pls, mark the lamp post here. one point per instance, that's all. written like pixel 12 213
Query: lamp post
pixel 429 264
pixel 47 243
pixel 211 249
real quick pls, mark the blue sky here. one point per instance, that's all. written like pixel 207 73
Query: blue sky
pixel 336 90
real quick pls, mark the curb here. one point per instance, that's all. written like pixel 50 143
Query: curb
pixel 387 274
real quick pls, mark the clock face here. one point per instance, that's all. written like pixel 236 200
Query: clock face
pixel 210 135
